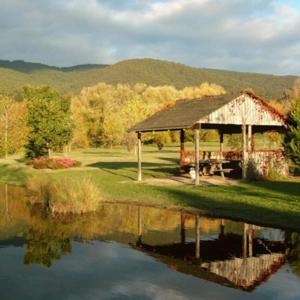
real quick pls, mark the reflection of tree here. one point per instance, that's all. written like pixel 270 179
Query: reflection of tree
pixel 295 253
pixel 45 246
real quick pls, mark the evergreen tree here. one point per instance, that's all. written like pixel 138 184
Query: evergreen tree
pixel 292 138
pixel 49 121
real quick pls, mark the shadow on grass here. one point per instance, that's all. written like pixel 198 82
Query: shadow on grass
pixel 174 161
pixel 238 210
pixel 103 153
pixel 270 188
pixel 147 168
pixel 291 188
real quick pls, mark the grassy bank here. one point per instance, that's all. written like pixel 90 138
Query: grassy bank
pixel 114 171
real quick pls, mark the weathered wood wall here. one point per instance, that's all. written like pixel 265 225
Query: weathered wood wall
pixel 247 272
pixel 243 110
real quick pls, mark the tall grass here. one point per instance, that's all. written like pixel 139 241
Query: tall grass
pixel 66 195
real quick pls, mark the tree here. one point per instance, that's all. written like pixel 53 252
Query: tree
pixel 13 131
pixel 49 121
pixel 103 113
pixel 292 138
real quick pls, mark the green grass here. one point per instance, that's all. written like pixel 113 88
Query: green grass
pixel 114 171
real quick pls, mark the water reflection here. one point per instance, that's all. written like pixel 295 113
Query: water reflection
pixel 223 252
pixel 236 260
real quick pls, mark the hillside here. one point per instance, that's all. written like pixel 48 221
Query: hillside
pixel 71 80
pixel 29 67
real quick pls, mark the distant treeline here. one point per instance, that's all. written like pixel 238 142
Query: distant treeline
pixel 41 119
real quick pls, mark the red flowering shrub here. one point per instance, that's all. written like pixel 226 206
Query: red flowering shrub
pixel 54 163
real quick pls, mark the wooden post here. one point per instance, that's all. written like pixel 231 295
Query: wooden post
pixel 250 238
pixel 221 144
pixel 182 228
pixel 249 141
pixel 222 227
pixel 139 226
pixel 6 134
pixel 197 243
pixel 139 156
pixel 245 242
pixel 182 139
pixel 244 162
pixel 6 200
pixel 197 169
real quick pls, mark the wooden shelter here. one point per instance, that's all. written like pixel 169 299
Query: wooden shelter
pixel 241 113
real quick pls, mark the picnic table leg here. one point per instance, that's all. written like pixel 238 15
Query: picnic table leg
pixel 221 170
pixel 196 131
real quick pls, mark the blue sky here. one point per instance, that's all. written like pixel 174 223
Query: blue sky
pixel 253 35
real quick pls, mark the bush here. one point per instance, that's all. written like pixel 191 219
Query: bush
pixel 37 186
pixel 66 195
pixel 253 172
pixel 275 173
pixel 53 163
pixel 292 137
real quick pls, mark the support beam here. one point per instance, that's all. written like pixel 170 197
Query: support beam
pixel 252 142
pixel 139 135
pixel 222 228
pixel 182 140
pixel 250 239
pixel 244 143
pixel 182 227
pixel 221 144
pixel 245 240
pixel 139 241
pixel 197 232
pixel 249 141
pixel 197 154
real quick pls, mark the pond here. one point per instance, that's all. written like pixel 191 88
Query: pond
pixel 133 252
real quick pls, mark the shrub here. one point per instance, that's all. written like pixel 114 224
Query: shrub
pixel 292 137
pixel 37 186
pixel 70 196
pixel 67 195
pixel 253 172
pixel 54 163
pixel 275 172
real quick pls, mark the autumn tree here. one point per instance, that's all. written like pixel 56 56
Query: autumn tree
pixel 48 119
pixel 13 131
pixel 103 113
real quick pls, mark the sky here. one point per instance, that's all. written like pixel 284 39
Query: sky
pixel 242 35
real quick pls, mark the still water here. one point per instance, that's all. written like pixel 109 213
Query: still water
pixel 132 252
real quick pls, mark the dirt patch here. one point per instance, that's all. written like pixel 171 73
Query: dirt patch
pixel 204 180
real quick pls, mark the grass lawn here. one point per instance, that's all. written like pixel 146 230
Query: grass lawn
pixel 114 171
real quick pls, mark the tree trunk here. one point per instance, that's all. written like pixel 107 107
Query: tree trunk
pixel 6 135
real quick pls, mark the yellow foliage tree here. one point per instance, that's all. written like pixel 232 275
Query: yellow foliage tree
pixel 13 130
pixel 103 113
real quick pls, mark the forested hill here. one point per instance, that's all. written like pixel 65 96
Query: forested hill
pixel 29 67
pixel 14 75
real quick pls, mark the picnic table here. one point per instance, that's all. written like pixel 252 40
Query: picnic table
pixel 212 166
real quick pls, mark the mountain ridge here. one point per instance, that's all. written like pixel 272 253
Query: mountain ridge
pixel 70 80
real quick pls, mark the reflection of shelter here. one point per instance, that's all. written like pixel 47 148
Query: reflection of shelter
pixel 244 113
pixel 239 261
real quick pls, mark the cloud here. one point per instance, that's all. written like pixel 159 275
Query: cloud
pixel 257 35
